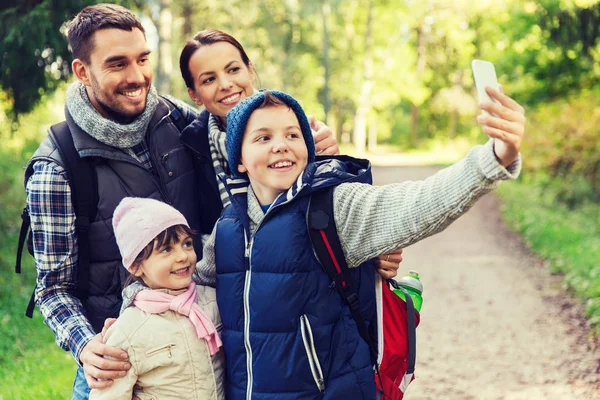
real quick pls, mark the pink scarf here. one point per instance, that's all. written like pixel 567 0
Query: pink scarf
pixel 155 302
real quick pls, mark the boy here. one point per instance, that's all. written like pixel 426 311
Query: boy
pixel 285 334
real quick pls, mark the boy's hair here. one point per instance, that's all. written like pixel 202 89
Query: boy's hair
pixel 271 101
pixel 238 116
pixel 206 38
pixel 81 29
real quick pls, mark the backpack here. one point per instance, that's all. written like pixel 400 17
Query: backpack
pixel 392 346
pixel 84 196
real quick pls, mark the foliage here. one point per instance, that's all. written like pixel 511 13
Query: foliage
pixel 33 48
pixel 31 365
pixel 565 145
pixel 568 238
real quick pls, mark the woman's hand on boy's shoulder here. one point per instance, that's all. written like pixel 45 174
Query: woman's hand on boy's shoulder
pixel 505 123
pixel 325 141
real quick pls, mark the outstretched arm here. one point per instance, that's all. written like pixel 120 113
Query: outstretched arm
pixel 374 220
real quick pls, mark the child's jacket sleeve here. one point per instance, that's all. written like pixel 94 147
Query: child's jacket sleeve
pixel 122 388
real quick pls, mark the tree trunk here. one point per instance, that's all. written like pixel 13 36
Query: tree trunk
pixel 325 14
pixel 360 118
pixel 165 62
pixel 372 140
pixel 452 124
pixel 415 108
pixel 186 13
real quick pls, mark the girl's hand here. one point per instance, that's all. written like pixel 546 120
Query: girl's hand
pixel 388 264
pixel 325 141
pixel 505 124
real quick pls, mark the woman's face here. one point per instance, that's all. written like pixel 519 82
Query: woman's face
pixel 221 79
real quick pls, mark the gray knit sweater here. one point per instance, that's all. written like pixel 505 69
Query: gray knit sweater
pixel 372 220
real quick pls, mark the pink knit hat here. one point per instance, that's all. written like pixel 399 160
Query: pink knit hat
pixel 138 221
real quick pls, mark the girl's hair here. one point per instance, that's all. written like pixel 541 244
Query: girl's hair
pixel 205 38
pixel 171 235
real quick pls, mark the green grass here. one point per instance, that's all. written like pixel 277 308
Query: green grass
pixel 568 239
pixel 32 366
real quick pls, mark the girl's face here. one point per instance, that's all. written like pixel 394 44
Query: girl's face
pixel 221 79
pixel 170 266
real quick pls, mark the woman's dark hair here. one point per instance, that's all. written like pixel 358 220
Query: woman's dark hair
pixel 205 38
pixel 169 236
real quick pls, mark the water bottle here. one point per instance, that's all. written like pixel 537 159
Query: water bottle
pixel 413 286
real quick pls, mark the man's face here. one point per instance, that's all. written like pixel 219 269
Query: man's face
pixel 119 74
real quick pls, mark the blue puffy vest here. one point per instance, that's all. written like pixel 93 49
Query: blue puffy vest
pixel 286 333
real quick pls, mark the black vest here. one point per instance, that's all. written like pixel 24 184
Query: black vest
pixel 174 179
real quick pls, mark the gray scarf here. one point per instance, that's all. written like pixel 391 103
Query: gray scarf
pixel 104 130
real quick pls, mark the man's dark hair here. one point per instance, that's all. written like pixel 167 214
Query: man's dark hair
pixel 93 18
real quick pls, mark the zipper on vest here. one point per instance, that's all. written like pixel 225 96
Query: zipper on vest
pixel 247 317
pixel 311 353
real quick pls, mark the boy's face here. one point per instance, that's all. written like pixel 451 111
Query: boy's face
pixel 274 153
pixel 170 266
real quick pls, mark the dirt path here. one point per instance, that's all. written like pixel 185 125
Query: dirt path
pixel 495 324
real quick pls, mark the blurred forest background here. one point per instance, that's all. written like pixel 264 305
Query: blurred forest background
pixel 388 76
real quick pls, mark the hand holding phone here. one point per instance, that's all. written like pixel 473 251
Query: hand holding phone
pixel 484 75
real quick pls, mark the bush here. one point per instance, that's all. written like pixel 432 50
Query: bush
pixel 563 141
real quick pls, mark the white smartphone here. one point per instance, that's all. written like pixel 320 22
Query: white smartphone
pixel 484 75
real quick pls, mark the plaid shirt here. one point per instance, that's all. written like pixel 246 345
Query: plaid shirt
pixel 55 248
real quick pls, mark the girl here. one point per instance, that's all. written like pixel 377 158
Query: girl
pixel 171 332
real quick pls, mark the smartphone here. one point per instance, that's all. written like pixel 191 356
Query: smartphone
pixel 484 75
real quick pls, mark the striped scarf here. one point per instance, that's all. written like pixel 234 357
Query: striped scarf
pixel 218 154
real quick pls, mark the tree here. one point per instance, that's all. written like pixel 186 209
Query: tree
pixel 34 54
pixel 33 49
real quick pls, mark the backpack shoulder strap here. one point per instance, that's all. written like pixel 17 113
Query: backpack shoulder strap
pixel 84 196
pixel 325 240
pixel 412 328
pixel 175 114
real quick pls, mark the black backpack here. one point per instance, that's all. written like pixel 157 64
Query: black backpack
pixel 84 195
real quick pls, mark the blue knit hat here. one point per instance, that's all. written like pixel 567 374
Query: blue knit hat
pixel 237 119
